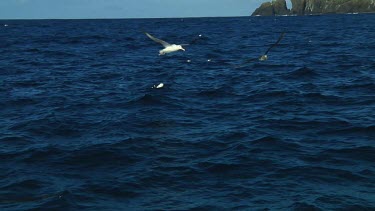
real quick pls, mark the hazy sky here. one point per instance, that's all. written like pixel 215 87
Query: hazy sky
pixel 35 9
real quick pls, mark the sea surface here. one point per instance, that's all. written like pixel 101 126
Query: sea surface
pixel 82 128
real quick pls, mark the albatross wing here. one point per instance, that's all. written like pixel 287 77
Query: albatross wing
pixel 243 64
pixel 165 44
pixel 276 43
pixel 264 56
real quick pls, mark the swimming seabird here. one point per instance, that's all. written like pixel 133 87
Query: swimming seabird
pixel 264 57
pixel 168 48
pixel 161 85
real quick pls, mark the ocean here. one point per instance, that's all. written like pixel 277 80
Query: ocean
pixel 82 128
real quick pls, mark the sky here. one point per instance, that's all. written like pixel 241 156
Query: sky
pixel 78 9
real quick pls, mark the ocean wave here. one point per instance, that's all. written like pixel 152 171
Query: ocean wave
pixel 303 73
pixel 216 93
pixel 147 99
pixel 11 142
pixel 365 153
pixel 82 127
pixel 304 206
pixel 365 130
pixel 315 174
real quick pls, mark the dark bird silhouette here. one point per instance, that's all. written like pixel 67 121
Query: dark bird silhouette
pixel 264 57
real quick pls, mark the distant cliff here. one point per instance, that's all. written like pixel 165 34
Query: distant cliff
pixel 276 7
pixel 309 7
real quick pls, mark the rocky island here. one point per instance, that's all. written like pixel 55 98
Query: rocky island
pixel 314 7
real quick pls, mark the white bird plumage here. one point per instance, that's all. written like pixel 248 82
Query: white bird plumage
pixel 159 86
pixel 168 48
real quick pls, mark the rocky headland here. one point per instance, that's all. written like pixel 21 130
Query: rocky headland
pixel 313 7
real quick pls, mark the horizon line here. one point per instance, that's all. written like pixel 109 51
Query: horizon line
pixel 188 17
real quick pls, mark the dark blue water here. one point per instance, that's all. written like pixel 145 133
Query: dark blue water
pixel 81 127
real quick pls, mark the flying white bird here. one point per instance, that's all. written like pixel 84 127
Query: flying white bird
pixel 168 48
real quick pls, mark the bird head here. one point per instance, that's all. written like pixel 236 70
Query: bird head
pixel 181 48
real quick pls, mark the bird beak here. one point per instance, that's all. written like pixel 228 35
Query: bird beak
pixel 183 49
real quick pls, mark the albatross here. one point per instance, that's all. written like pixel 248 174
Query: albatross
pixel 168 48
pixel 264 57
pixel 159 86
